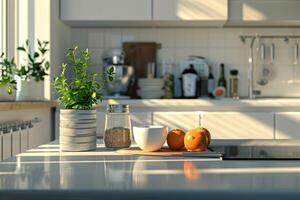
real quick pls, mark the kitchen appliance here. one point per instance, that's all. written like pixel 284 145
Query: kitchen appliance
pixel 201 67
pixel 123 73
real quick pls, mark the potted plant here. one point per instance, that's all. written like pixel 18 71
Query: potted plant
pixel 33 68
pixel 7 81
pixel 77 95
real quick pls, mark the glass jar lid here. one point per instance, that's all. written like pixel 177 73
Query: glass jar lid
pixel 117 108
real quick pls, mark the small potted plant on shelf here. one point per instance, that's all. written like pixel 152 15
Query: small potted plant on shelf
pixel 7 81
pixel 33 68
pixel 77 95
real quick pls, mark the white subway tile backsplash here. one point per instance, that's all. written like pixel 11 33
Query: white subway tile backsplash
pixel 96 38
pixel 235 56
pixel 184 38
pixel 79 37
pixel 148 35
pixel 166 37
pixel 201 37
pixel 113 38
pixel 216 37
pixel 130 35
pixel 96 55
pixel 218 45
pixel 232 37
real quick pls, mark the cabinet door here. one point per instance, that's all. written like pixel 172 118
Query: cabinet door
pixel 72 10
pixel 239 125
pixel 287 125
pixel 181 120
pixel 264 10
pixel 193 10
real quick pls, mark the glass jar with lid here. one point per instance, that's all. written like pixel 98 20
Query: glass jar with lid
pixel 117 134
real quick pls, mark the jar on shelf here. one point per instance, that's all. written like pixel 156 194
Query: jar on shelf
pixel 117 134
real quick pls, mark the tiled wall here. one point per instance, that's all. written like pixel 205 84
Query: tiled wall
pixel 216 44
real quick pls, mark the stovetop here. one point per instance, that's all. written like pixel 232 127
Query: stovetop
pixel 258 149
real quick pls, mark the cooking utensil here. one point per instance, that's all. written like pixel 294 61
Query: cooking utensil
pixel 264 71
pixel 296 53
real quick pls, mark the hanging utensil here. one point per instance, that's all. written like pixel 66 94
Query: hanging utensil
pixel 262 80
pixel 296 53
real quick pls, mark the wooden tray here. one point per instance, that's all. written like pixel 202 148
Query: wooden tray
pixel 168 152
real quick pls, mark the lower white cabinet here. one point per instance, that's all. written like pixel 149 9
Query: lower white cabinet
pixel 24 140
pixel 287 125
pixel 181 120
pixel 239 125
pixel 6 146
pixel 16 142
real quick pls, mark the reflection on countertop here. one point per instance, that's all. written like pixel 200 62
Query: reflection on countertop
pixel 49 170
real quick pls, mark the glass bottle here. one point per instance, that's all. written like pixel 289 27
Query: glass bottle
pixel 210 83
pixel 189 79
pixel 117 134
pixel 222 80
pixel 234 84
pixel 167 72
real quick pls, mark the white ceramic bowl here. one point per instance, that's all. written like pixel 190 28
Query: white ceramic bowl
pixel 150 138
pixel 150 94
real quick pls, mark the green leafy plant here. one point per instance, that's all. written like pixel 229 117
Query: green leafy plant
pixel 7 70
pixel 82 90
pixel 36 65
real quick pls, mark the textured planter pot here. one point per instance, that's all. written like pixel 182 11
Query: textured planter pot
pixel 4 96
pixel 30 90
pixel 77 130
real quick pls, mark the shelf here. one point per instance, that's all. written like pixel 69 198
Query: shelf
pixel 26 105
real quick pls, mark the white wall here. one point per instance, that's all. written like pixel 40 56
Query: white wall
pixel 217 44
pixel 60 42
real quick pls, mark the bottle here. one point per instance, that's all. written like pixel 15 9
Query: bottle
pixel 203 78
pixel 234 84
pixel 168 77
pixel 117 134
pixel 210 83
pixel 222 80
pixel 189 81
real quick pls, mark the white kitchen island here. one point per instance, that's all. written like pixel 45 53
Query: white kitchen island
pixel 47 173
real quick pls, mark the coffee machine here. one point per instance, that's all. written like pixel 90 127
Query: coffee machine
pixel 117 88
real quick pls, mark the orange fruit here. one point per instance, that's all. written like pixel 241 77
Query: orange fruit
pixel 175 139
pixel 196 140
pixel 207 133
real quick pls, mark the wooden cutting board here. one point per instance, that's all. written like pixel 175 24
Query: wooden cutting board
pixel 139 54
pixel 168 152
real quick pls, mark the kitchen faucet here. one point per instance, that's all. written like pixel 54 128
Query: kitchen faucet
pixel 251 92
pixel 250 70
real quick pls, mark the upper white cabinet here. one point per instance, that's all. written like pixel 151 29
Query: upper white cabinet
pixel 239 125
pixel 264 12
pixel 190 10
pixel 144 12
pixel 287 125
pixel 102 10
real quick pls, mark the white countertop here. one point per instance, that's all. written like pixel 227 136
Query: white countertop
pixel 272 104
pixel 47 172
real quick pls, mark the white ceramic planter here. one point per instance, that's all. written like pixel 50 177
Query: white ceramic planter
pixel 30 90
pixel 77 130
pixel 4 96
